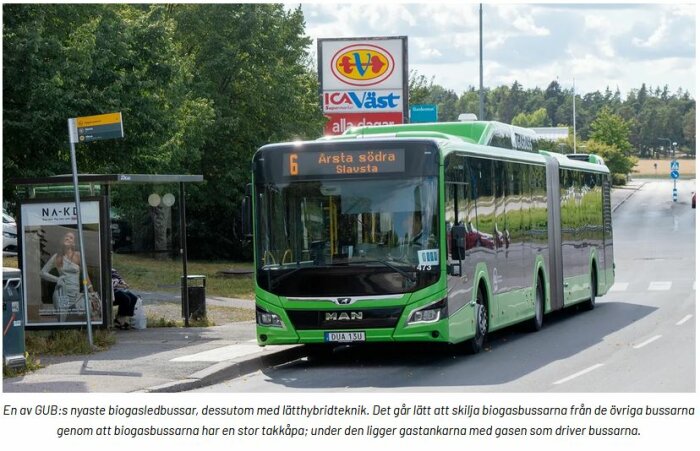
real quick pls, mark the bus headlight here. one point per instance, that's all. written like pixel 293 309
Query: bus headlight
pixel 429 314
pixel 267 319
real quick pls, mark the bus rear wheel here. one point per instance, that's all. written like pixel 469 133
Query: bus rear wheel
pixel 590 303
pixel 476 344
pixel 536 322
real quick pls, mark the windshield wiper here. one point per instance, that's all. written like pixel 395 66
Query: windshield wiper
pixel 390 266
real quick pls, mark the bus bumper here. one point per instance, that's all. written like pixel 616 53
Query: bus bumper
pixel 285 333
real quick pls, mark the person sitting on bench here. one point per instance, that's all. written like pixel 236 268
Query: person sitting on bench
pixel 124 299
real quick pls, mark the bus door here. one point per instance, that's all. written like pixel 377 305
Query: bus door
pixel 458 287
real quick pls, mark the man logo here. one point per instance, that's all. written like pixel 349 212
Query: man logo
pixel 343 316
pixel 344 301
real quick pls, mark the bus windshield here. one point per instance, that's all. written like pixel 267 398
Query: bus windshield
pixel 349 237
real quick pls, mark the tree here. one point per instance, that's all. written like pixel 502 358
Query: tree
pixel 469 101
pixel 611 129
pixel 63 61
pixel 200 88
pixel 689 130
pixel 418 88
pixel 553 98
pixel 535 119
pixel 615 159
pixel 251 61
pixel 446 100
pixel 511 103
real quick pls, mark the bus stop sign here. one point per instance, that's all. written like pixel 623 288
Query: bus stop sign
pixel 95 128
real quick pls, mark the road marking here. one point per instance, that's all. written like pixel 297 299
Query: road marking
pixel 659 286
pixel 644 343
pixel 580 373
pixel 619 286
pixel 685 318
pixel 219 354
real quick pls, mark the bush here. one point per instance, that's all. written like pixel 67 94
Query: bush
pixel 619 179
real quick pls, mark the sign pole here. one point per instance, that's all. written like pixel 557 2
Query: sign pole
pixel 83 266
pixel 675 173
pixel 675 191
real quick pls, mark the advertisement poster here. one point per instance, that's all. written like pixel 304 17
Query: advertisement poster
pixel 51 264
pixel 364 81
pixel 338 123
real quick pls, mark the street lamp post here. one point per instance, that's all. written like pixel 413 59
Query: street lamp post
pixel 481 65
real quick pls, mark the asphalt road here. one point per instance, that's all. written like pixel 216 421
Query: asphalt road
pixel 640 338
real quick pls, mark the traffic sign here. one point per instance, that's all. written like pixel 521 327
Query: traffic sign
pixel 675 174
pixel 93 128
pixel 675 165
pixel 424 113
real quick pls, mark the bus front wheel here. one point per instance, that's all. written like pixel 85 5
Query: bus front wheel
pixel 476 344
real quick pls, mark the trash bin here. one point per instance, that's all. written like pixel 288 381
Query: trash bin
pixel 196 295
pixel 12 319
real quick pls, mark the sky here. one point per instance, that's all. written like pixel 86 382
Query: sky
pixel 594 45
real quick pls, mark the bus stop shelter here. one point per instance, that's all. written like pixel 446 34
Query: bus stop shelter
pixel 46 214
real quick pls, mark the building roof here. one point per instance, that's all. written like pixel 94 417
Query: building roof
pixel 108 179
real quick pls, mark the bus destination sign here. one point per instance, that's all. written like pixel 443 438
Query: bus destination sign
pixel 345 162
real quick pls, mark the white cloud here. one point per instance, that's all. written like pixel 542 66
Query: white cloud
pixel 426 50
pixel 597 23
pixel 656 37
pixel 687 9
pixel 521 19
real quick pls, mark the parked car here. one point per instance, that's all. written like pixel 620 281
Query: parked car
pixel 9 233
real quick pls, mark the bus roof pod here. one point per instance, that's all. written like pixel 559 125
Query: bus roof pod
pixel 487 133
pixel 471 132
pixel 593 162
pixel 400 134
pixel 589 157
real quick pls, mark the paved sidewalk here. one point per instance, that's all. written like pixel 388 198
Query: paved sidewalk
pixel 176 359
pixel 157 359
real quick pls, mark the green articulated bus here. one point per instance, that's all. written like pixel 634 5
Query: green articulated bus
pixel 437 232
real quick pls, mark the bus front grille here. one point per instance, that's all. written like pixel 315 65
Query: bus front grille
pixel 345 319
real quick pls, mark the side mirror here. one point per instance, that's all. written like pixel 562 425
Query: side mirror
pixel 247 213
pixel 459 242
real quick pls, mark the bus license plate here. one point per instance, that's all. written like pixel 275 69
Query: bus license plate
pixel 343 337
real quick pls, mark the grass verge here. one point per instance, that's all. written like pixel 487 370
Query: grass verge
pixel 59 342
pixel 145 273
pixel 168 314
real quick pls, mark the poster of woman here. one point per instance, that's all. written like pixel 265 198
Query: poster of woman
pixel 52 263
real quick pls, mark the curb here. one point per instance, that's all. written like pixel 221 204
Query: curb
pixel 231 369
pixel 632 191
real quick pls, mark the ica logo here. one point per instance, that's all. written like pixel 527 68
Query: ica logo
pixel 362 64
